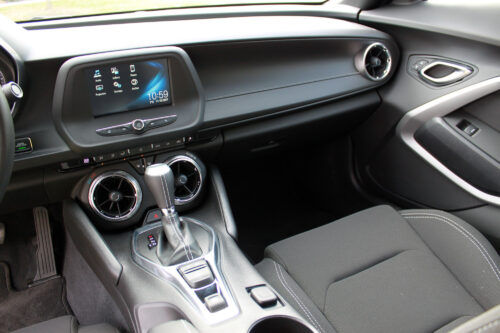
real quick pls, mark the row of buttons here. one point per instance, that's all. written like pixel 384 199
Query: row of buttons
pixel 137 126
pixel 141 150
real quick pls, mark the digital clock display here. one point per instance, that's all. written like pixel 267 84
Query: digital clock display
pixel 121 87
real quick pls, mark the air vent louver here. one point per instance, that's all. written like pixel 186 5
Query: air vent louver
pixel 115 196
pixel 375 62
pixel 188 179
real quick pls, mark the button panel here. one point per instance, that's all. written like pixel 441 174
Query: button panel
pixel 137 126
pixel 136 153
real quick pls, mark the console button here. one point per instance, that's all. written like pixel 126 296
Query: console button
pixel 159 122
pixel 152 241
pixel 215 302
pixel 197 274
pixel 110 156
pixel 148 161
pixel 115 130
pixel 99 158
pixel 140 150
pixel 123 153
pixel 263 296
pixel 138 165
pixel 153 216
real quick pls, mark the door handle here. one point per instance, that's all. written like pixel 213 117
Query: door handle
pixel 453 72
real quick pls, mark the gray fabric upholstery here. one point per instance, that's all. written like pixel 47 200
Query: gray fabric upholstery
pixel 384 271
pixel 66 324
pixel 276 275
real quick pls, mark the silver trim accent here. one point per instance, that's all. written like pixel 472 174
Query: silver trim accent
pixel 460 72
pixel 184 158
pixel 172 275
pixel 140 122
pixel 131 125
pixel 131 180
pixel 360 60
pixel 414 119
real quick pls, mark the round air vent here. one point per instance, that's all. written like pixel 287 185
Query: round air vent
pixel 188 178
pixel 374 62
pixel 115 196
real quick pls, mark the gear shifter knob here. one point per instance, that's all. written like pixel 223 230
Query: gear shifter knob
pixel 161 183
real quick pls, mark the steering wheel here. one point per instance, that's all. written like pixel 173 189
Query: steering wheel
pixel 7 142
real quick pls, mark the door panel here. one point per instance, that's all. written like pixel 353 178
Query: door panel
pixel 427 158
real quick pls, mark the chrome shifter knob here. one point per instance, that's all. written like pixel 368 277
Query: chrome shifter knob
pixel 161 182
pixel 181 244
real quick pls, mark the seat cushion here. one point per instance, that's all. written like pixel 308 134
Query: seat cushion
pixel 66 324
pixel 386 271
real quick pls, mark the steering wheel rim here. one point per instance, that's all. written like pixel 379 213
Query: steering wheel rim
pixel 7 142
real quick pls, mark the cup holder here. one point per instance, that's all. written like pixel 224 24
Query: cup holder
pixel 279 325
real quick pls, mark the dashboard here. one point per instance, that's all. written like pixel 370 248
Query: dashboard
pixel 93 102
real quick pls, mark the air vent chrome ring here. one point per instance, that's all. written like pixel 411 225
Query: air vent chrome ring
pixel 375 62
pixel 115 196
pixel 188 178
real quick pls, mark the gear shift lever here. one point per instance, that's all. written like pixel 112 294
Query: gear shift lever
pixel 181 244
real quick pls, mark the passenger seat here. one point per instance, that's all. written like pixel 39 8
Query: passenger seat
pixel 66 324
pixel 386 271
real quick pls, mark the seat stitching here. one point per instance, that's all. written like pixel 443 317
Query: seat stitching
pixel 296 298
pixel 487 326
pixel 309 315
pixel 167 195
pixel 493 264
pixel 464 232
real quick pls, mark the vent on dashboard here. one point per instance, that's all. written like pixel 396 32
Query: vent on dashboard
pixel 374 62
pixel 188 178
pixel 115 196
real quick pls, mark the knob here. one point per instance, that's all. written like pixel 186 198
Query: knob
pixel 12 91
pixel 161 182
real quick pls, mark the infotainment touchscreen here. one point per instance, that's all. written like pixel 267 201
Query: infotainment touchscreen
pixel 127 86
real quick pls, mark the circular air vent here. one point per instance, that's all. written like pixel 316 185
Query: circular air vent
pixel 374 62
pixel 188 178
pixel 115 195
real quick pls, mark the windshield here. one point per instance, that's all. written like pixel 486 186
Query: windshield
pixel 32 10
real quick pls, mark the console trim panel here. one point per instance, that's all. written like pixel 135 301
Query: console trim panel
pixel 172 275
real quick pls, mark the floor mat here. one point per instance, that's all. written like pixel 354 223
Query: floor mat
pixel 19 249
pixel 275 197
pixel 30 306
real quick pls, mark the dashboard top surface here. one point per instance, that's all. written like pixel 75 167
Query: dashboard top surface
pixel 41 44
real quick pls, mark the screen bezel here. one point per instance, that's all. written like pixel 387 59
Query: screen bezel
pixel 77 126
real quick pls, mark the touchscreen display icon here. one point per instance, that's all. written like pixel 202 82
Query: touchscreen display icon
pixel 97 74
pixel 117 84
pixel 99 87
pixel 134 82
pixel 132 68
pixel 115 71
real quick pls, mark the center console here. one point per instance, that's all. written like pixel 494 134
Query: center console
pixel 150 219
pixel 213 289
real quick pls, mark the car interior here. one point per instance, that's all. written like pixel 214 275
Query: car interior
pixel 299 167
